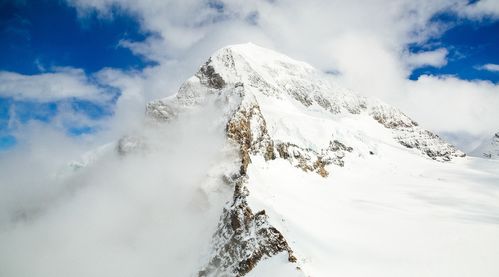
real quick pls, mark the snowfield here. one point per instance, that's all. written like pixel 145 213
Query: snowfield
pixel 261 166
pixel 394 215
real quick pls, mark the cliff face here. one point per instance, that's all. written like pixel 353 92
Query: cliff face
pixel 243 238
pixel 281 109
pixel 261 166
pixel 270 90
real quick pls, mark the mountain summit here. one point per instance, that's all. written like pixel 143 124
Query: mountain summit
pixel 259 166
pixel 279 111
pixel 285 104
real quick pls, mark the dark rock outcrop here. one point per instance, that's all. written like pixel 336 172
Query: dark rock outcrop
pixel 409 134
pixel 209 77
pixel 243 238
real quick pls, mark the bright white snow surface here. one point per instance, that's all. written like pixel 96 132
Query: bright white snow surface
pixel 390 215
pixel 394 213
pixel 152 212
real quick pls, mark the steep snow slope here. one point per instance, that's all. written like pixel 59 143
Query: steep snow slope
pixel 292 121
pixel 261 166
pixel 488 149
pixel 392 214
pixel 288 95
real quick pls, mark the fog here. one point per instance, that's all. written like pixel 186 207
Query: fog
pixel 154 210
pixel 145 213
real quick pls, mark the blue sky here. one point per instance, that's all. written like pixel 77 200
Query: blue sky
pixel 76 40
pixel 470 44
pixel 45 33
pixel 40 35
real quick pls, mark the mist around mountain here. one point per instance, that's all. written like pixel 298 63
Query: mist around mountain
pixel 488 149
pixel 260 165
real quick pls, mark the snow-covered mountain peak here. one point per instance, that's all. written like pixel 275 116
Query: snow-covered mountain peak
pixel 278 109
pixel 261 166
pixel 269 73
pixel 297 104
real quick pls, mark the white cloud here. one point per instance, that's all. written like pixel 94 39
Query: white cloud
pixel 490 67
pixel 436 58
pixel 449 104
pixel 138 216
pixel 366 42
pixel 61 84
pixel 67 87
pixel 479 10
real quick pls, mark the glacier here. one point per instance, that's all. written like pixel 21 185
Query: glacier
pixel 261 165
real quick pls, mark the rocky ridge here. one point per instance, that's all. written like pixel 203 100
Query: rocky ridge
pixel 243 238
pixel 253 81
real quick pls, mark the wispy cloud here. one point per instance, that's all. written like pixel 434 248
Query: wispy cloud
pixel 488 9
pixel 436 58
pixel 367 44
pixel 489 67
pixel 60 84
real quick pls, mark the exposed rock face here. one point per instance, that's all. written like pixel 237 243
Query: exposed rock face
pixel 209 77
pixel 409 134
pixel 428 143
pixel 309 160
pixel 129 144
pixel 391 118
pixel 160 111
pixel 253 82
pixel 248 129
pixel 243 238
pixel 279 77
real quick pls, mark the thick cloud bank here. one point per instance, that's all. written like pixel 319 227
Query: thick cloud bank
pixel 141 213
pixel 365 45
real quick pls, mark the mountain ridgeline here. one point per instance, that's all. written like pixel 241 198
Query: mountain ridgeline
pixel 279 108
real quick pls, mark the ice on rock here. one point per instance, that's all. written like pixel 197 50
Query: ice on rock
pixel 261 166
pixel 291 128
pixel 282 88
pixel 285 109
